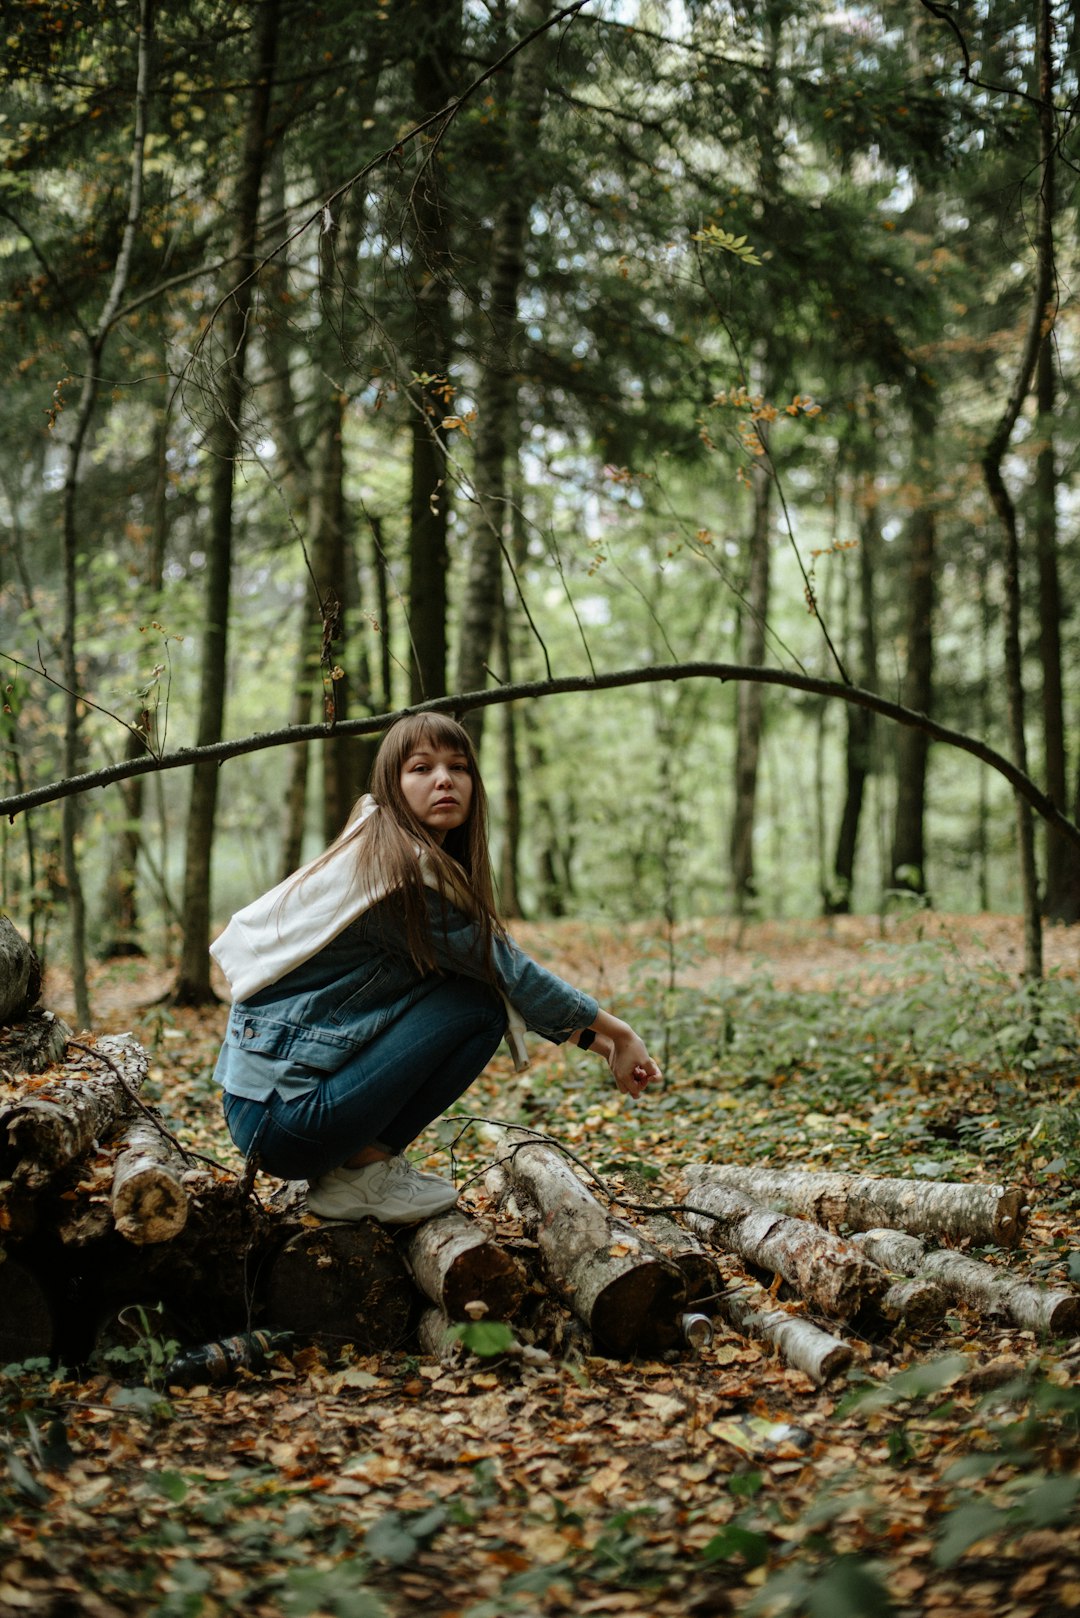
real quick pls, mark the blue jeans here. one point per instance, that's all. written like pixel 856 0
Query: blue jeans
pixel 385 1094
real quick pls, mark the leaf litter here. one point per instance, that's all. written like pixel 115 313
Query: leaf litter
pixel 939 1476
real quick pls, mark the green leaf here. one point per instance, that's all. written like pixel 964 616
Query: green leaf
pixel 735 1541
pixel 173 1485
pixel 963 1528
pixel 847 1589
pixel 484 1338
pixel 1049 1502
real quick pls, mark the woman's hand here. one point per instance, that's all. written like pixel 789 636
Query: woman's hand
pixel 631 1065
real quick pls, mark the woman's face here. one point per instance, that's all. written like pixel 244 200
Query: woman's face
pixel 437 785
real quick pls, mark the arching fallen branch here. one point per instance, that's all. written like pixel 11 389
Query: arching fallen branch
pixel 650 674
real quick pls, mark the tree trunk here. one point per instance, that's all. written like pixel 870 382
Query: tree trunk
pixel 979 1213
pixel 618 1285
pixel 861 730
pixel 71 529
pixel 912 746
pixel 229 337
pixel 497 421
pixel 429 393
pixel 455 1263
pixel 1061 901
pixel 120 897
pixel 749 700
pixel 1042 318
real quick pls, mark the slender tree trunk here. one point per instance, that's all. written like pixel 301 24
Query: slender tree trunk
pixel 430 391
pixel 223 442
pixel 912 746
pixel 88 397
pixel 749 701
pixel 859 758
pixel 497 415
pixel 120 897
pixel 1062 898
pixel 1042 316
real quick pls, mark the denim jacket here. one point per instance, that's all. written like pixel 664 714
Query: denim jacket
pixel 329 1007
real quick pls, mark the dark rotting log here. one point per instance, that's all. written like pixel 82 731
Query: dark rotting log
pixel 27 1313
pixel 341 1283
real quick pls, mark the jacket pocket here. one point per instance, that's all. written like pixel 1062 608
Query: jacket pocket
pixel 316 1047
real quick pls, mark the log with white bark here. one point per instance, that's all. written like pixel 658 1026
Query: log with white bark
pixel 917 1303
pixel 51 1124
pixel 149 1201
pixel 619 1285
pixel 751 1309
pixel 988 1287
pixel 454 1263
pixel 700 1269
pixel 832 1274
pixel 1035 1308
pixel 946 1209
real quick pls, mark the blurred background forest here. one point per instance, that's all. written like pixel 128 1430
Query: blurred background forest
pixel 359 353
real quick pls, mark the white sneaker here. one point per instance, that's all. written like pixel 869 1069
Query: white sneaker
pixel 391 1191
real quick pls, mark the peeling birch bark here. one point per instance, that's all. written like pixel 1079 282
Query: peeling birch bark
pixel 942 1208
pixel 830 1273
pixel 751 1310
pixel 627 1293
pixel 455 1263
pixel 149 1202
pixel 892 1249
pixel 432 1330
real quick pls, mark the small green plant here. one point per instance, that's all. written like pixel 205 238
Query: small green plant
pixel 147 1351
pixel 487 1339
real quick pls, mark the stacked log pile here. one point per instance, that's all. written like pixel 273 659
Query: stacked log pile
pixel 101 1208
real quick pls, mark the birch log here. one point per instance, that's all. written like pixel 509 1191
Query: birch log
pixel 454 1262
pixel 149 1202
pixel 626 1292
pixel 943 1208
pixel 830 1273
pixel 51 1125
pixel 982 1286
pixel 985 1286
pixel 700 1269
pixel 751 1310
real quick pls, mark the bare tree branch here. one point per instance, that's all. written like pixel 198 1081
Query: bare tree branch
pixel 651 674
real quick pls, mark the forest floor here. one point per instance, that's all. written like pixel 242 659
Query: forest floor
pixel 937 1477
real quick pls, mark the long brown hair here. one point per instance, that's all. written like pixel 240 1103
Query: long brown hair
pixel 387 841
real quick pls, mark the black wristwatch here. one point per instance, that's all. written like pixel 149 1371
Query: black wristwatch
pixel 586 1038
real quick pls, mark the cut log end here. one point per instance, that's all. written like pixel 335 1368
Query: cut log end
pixel 341 1283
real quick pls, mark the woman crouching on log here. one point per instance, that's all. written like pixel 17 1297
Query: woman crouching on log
pixel 372 987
